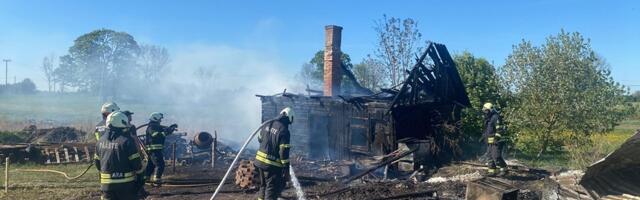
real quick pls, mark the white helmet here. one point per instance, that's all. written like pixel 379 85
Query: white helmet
pixel 487 106
pixel 156 117
pixel 118 119
pixel 288 112
pixel 109 107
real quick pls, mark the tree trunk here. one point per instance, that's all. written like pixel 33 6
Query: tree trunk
pixel 544 144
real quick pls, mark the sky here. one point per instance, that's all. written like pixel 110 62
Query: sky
pixel 286 34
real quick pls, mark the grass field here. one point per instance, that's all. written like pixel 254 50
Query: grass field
pixel 39 185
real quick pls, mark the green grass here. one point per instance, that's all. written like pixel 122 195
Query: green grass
pixel 581 157
pixel 44 185
pixel 45 106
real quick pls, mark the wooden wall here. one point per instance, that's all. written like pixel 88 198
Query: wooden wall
pixel 325 127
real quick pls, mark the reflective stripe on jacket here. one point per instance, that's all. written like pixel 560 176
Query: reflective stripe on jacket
pixel 155 136
pixel 117 159
pixel 274 145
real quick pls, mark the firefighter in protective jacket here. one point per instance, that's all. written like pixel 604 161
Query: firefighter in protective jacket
pixel 117 159
pixel 154 142
pixel 272 159
pixel 106 109
pixel 493 130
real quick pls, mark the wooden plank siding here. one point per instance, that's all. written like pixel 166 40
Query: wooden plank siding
pixel 313 112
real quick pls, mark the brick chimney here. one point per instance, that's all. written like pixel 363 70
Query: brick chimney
pixel 332 54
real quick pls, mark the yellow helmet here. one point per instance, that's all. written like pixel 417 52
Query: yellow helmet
pixel 288 112
pixel 487 106
pixel 109 107
pixel 118 119
pixel 156 117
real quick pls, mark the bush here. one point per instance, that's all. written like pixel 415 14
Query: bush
pixel 11 137
pixel 25 86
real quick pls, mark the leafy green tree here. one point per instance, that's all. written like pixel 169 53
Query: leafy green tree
pixel 101 60
pixel 66 74
pixel 312 73
pixel 318 62
pixel 482 86
pixel 560 93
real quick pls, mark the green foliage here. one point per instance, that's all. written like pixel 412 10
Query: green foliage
pixel 312 73
pixel 318 62
pixel 97 60
pixel 11 137
pixel 560 94
pixel 481 84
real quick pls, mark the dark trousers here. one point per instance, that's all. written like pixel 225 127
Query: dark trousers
pixel 156 162
pixel 120 192
pixel 495 155
pixel 271 183
pixel 139 187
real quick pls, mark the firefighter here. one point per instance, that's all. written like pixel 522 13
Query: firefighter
pixel 155 136
pixel 140 174
pixel 493 130
pixel 117 159
pixel 106 109
pixel 272 159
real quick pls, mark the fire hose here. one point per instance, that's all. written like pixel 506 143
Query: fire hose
pixel 224 178
pixel 139 144
pixel 58 172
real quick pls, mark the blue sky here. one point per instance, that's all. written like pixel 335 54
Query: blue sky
pixel 288 33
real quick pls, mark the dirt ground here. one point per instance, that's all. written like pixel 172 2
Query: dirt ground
pixel 530 183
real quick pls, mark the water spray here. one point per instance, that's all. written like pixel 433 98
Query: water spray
pixel 224 178
pixel 296 184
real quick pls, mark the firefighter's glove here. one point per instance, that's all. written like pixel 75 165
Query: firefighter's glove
pixel 172 128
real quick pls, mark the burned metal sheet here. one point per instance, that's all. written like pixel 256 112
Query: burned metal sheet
pixel 616 174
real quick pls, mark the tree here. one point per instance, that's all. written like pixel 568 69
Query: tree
pixel 100 60
pixel 560 93
pixel 482 85
pixel 66 74
pixel 312 73
pixel 397 46
pixel 152 60
pixel 370 73
pixel 47 67
pixel 635 96
pixel 26 86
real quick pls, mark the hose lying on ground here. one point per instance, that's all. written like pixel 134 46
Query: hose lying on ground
pixel 57 172
pixel 236 158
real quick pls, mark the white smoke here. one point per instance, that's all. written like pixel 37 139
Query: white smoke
pixel 209 87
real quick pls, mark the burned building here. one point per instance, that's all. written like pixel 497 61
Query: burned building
pixel 425 109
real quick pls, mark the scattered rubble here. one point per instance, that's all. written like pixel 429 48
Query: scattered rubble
pixel 54 135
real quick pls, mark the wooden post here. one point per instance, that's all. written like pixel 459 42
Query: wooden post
pixel 174 157
pixel 46 152
pixel 66 155
pixel 87 154
pixel 213 149
pixel 6 175
pixel 57 156
pixel 77 157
